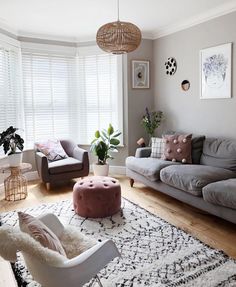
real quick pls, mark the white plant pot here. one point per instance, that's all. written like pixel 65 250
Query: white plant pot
pixel 15 159
pixel 100 170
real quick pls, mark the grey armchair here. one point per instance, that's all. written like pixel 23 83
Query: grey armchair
pixel 76 165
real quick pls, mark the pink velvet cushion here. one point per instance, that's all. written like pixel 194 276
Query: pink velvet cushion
pixel 52 148
pixel 40 232
pixel 178 148
pixel 97 196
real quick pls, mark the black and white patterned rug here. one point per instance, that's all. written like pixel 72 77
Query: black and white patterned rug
pixel 154 252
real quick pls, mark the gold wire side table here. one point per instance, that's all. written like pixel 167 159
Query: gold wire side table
pixel 16 184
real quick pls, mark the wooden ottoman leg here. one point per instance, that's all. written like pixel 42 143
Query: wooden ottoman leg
pixel 131 182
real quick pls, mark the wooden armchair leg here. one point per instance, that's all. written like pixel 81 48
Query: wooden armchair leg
pixel 131 182
pixel 48 185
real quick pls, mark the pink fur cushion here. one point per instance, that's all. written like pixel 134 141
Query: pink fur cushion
pixel 178 148
pixel 40 232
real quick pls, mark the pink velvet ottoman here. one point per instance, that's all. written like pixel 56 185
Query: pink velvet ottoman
pixel 97 196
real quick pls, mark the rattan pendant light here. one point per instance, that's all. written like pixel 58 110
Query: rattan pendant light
pixel 118 37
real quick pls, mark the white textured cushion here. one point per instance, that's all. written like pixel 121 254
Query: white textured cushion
pixel 52 148
pixel 158 145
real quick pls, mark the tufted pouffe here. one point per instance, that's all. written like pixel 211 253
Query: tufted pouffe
pixel 97 196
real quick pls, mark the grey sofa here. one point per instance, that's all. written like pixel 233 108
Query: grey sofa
pixel 76 165
pixel 208 184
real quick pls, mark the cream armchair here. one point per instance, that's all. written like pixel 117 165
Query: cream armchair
pixel 48 267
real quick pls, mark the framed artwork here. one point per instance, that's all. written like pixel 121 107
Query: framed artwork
pixel 215 67
pixel 140 74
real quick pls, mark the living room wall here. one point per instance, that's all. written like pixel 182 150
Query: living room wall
pixel 184 111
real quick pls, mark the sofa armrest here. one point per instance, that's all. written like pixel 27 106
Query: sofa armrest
pixel 143 152
pixel 42 166
pixel 82 155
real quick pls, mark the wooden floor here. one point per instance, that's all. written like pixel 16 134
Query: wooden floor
pixel 213 231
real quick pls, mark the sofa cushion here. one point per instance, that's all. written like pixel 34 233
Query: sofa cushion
pixel 52 148
pixel 192 178
pixel 197 147
pixel 178 148
pixel 219 153
pixel 64 165
pixel 158 146
pixel 148 167
pixel 221 193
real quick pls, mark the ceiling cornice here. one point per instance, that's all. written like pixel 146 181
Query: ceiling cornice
pixel 221 10
pixel 201 18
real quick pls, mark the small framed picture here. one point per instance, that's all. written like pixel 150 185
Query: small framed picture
pixel 215 67
pixel 140 74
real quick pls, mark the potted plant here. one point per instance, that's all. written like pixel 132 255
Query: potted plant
pixel 13 145
pixel 151 121
pixel 103 144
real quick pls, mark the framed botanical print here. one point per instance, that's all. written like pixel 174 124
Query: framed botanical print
pixel 140 74
pixel 215 67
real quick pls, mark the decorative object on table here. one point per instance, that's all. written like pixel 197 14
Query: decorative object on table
pixel 97 196
pixel 151 121
pixel 48 267
pixel 141 142
pixel 16 184
pixel 216 72
pixel 52 148
pixel 158 147
pixel 118 37
pixel 104 143
pixel 153 245
pixel 74 166
pixel 13 145
pixel 140 74
pixel 178 148
pixel 171 66
pixel 185 85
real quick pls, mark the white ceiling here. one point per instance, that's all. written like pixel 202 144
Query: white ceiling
pixel 78 20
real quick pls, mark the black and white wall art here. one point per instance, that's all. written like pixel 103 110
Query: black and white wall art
pixel 140 74
pixel 171 66
pixel 215 66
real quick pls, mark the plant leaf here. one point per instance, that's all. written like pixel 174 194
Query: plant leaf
pixel 114 141
pixel 116 134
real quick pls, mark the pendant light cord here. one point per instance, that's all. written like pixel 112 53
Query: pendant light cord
pixel 118 9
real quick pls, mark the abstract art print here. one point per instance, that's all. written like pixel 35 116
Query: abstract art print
pixel 140 74
pixel 216 72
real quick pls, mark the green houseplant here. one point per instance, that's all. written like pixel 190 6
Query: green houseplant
pixel 151 121
pixel 13 145
pixel 102 145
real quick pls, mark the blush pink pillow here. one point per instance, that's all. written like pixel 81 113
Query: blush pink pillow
pixel 52 148
pixel 40 232
pixel 178 148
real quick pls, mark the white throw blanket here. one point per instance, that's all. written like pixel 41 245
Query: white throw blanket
pixel 13 240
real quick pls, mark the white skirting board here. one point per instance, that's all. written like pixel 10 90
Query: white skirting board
pixel 113 169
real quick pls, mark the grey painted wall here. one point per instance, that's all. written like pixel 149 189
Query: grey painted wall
pixel 138 100
pixel 184 110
